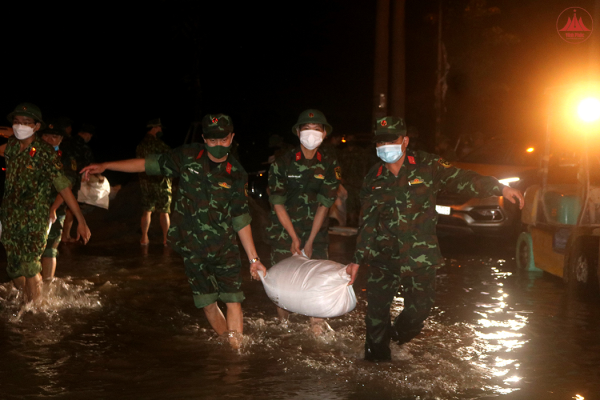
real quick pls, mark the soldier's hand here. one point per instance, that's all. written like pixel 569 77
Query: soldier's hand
pixel 52 215
pixel 513 195
pixel 295 249
pixel 352 270
pixel 308 249
pixel 92 169
pixel 84 233
pixel 255 267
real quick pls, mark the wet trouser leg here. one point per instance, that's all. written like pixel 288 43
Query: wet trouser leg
pixel 382 286
pixel 418 290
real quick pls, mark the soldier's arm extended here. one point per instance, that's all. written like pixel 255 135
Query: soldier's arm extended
pixel 367 225
pixel 470 183
pixel 278 197
pixel 131 165
pixel 326 198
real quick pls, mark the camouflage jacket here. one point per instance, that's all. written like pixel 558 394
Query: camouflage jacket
pixel 153 145
pixel 210 206
pixel 30 177
pixel 301 185
pixel 70 174
pixel 398 217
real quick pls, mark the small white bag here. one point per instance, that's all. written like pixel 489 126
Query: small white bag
pixel 95 192
pixel 317 288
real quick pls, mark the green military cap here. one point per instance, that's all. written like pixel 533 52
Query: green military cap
pixel 89 128
pixel 388 129
pixel 51 130
pixel 312 116
pixel 28 110
pixel 216 126
pixel 153 123
pixel 55 127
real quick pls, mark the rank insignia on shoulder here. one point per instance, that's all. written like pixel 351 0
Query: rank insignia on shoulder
pixel 338 173
pixel 444 163
pixel 416 181
pixel 225 185
pixel 320 176
pixel 246 189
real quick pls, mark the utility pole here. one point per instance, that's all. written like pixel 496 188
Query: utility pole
pixel 381 70
pixel 439 87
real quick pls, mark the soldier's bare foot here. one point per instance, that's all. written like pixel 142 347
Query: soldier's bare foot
pixel 144 243
pixel 68 239
pixel 320 328
pixel 235 339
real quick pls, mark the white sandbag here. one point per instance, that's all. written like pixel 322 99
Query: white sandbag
pixel 317 288
pixel 95 192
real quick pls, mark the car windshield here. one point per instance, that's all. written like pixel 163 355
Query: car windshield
pixel 503 152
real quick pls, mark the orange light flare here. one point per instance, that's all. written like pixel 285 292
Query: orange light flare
pixel 530 150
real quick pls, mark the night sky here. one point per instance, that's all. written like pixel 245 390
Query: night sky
pixel 117 67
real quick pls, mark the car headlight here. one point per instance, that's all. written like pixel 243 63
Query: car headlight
pixel 508 181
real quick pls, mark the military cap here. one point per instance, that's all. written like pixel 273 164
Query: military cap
pixel 388 129
pixel 216 126
pixel 312 116
pixel 56 125
pixel 154 123
pixel 51 130
pixel 89 128
pixel 28 110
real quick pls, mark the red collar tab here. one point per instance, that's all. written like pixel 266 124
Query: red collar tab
pixel 200 154
pixel 228 168
pixel 380 170
pixel 32 151
pixel 319 156
pixel 298 156
pixel 59 153
pixel 411 160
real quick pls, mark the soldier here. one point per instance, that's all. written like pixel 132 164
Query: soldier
pixel 83 157
pixel 156 190
pixel 53 135
pixel 32 168
pixel 397 231
pixel 303 185
pixel 210 207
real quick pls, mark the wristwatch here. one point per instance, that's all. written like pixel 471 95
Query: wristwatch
pixel 254 260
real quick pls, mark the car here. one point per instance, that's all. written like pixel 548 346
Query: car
pixel 514 162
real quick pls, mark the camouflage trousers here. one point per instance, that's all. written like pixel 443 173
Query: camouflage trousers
pixel 155 198
pixel 384 281
pixel 214 278
pixel 24 251
pixel 54 237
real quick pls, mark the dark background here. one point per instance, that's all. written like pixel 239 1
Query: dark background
pixel 116 66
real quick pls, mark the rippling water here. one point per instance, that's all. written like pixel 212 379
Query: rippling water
pixel 119 322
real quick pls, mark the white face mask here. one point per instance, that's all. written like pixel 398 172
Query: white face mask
pixel 22 131
pixel 311 139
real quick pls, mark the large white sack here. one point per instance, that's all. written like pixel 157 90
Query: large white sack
pixel 317 288
pixel 95 192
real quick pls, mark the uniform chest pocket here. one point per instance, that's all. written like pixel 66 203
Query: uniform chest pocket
pixel 418 194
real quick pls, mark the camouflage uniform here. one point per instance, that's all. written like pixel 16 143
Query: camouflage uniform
pixel 55 234
pixel 30 175
pixel 397 240
pixel 211 206
pixel 81 156
pixel 156 190
pixel 301 185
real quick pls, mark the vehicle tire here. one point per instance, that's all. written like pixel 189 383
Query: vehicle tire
pixel 582 268
pixel 524 256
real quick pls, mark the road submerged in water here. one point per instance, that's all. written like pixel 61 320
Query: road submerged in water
pixel 119 322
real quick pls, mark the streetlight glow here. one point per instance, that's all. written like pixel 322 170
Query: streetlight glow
pixel 589 109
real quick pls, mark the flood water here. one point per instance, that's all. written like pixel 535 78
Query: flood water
pixel 120 323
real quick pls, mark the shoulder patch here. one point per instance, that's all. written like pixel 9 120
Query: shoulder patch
pixel 444 163
pixel 338 173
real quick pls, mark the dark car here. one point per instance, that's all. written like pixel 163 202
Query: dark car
pixel 514 163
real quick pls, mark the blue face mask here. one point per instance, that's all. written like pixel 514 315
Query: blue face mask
pixel 390 153
pixel 56 148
